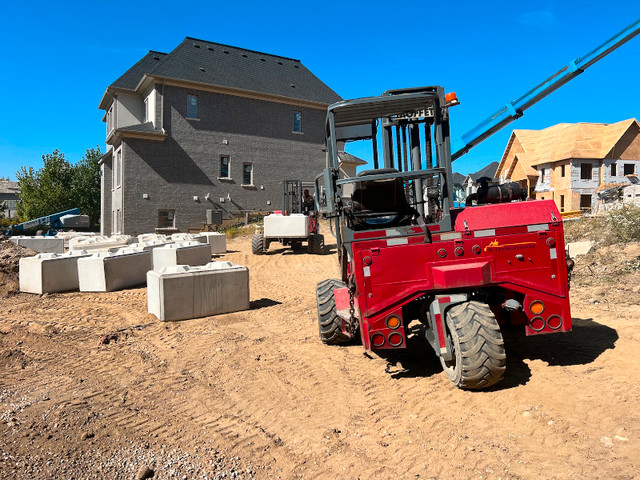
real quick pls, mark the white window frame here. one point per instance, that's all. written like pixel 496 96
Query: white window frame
pixel 146 110
pixel 228 177
pixel 117 169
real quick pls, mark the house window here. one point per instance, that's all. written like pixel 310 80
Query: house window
pixel 586 171
pixel 297 122
pixel 247 174
pixel 166 218
pixel 224 166
pixel 146 110
pixel 562 170
pixel 585 202
pixel 117 169
pixel 614 171
pixel 629 168
pixel 110 123
pixel 542 175
pixel 562 203
pixel 192 106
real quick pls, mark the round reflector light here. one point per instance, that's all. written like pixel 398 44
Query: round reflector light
pixel 554 322
pixel 393 322
pixel 536 307
pixel 377 339
pixel 536 323
pixel 395 339
pixel 442 253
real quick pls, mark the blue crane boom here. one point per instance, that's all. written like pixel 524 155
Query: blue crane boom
pixel 52 221
pixel 514 110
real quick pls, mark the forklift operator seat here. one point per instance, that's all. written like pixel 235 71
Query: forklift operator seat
pixel 380 203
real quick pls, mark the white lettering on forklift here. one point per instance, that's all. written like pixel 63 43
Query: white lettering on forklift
pixel 538 227
pixel 397 241
pixel 367 271
pixel 485 233
pixel 554 253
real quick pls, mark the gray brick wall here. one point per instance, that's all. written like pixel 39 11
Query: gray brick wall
pixel 187 163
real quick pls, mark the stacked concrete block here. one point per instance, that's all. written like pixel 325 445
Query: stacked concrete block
pixel 150 245
pixel 182 292
pixel 146 237
pixel 181 253
pixel 50 272
pixel 109 271
pixel 188 237
pixel 218 241
pixel 68 236
pixel 101 243
pixel 41 244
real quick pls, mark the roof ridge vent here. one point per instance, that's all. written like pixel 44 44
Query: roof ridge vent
pixel 210 49
pixel 225 51
pixel 201 69
pixel 244 55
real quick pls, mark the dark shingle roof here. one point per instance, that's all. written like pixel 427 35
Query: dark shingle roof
pixel 488 171
pixel 141 127
pixel 458 178
pixel 130 79
pixel 226 66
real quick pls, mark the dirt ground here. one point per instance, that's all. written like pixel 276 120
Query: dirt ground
pixel 92 386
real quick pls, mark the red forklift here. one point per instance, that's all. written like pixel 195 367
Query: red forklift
pixel 407 254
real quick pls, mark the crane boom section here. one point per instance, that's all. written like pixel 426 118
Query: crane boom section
pixel 514 110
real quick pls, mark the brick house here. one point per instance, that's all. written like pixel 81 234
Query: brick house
pixel 571 163
pixel 207 127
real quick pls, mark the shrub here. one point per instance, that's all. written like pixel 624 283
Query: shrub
pixel 624 224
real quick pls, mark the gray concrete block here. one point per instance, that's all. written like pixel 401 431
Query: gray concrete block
pixel 50 272
pixel 107 271
pixel 218 241
pixel 579 248
pixel 183 292
pixel 101 243
pixel 182 253
pixel 188 237
pixel 42 244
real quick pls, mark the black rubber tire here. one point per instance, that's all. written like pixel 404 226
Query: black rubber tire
pixel 316 244
pixel 479 355
pixel 329 324
pixel 257 244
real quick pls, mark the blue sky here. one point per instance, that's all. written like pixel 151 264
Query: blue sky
pixel 58 58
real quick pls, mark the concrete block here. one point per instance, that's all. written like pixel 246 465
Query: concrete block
pixel 182 253
pixel 108 271
pixel 146 237
pixel 182 292
pixel 42 244
pixel 50 272
pixel 101 243
pixel 579 248
pixel 218 241
pixel 188 237
pixel 286 226
pixel 149 245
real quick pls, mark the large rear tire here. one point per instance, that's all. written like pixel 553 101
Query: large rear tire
pixel 329 323
pixel 257 244
pixel 479 357
pixel 316 244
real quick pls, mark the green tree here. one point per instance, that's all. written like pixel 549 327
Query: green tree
pixel 86 184
pixel 59 186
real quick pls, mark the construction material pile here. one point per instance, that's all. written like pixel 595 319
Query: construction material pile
pixel 10 255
